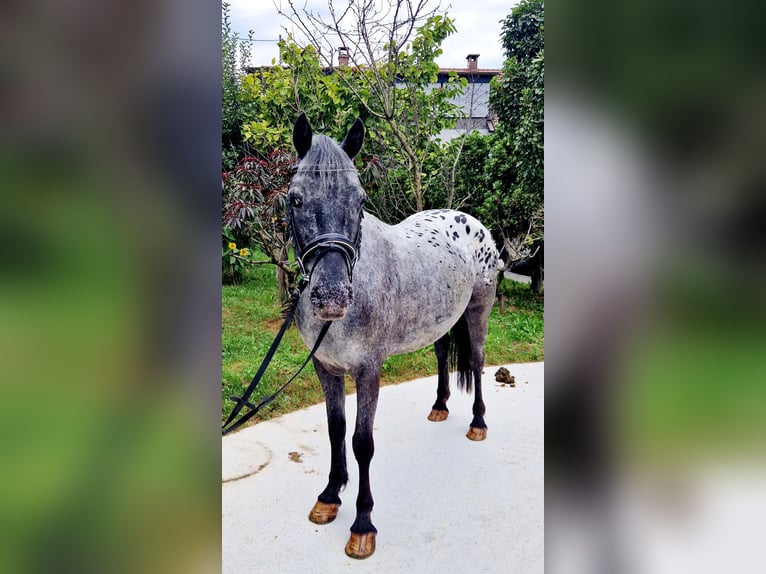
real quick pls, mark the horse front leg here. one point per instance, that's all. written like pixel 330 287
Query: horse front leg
pixel 361 543
pixel 328 502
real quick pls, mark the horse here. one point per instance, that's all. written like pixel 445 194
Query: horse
pixel 387 289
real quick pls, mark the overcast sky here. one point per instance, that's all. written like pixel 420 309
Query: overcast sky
pixel 477 23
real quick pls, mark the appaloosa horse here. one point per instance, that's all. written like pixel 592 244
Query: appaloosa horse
pixel 388 290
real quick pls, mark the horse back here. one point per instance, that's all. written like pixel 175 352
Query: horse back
pixel 415 279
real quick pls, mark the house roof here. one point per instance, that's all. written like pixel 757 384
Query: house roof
pixel 469 72
pixel 460 71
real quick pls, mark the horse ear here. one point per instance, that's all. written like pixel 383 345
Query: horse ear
pixel 354 139
pixel 302 135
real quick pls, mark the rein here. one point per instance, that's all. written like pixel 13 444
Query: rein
pixel 323 244
pixel 243 401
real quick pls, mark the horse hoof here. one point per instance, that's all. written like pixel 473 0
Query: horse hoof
pixel 437 416
pixel 476 434
pixel 361 545
pixel 323 513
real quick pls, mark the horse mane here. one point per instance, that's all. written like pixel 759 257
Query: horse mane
pixel 328 154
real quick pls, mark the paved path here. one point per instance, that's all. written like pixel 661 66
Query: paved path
pixel 517 277
pixel 442 503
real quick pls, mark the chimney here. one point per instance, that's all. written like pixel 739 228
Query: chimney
pixel 473 62
pixel 342 56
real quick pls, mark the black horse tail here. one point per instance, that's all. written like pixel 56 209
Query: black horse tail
pixel 460 354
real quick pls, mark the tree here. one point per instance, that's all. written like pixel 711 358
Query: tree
pixel 514 205
pixel 392 47
pixel 235 54
pixel 272 97
pixel 254 211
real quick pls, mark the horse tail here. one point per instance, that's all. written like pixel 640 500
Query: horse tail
pixel 460 354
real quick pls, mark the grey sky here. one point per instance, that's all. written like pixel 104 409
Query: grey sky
pixel 477 22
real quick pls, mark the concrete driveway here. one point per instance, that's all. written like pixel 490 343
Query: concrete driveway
pixel 442 502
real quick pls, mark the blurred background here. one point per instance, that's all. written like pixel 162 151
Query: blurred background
pixel 109 287
pixel 656 291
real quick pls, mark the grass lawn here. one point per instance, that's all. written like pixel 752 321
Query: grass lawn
pixel 251 317
pixel 695 378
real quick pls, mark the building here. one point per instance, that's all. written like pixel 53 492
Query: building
pixel 474 102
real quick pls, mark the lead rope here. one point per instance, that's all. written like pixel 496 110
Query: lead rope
pixel 243 400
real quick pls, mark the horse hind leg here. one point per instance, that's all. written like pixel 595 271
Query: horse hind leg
pixel 476 317
pixel 439 411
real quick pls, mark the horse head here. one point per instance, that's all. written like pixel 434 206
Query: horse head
pixel 325 203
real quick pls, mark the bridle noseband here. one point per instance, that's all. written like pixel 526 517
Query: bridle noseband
pixel 325 243
pixel 322 245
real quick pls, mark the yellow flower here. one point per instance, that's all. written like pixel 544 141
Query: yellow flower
pixel 244 252
pixel 232 246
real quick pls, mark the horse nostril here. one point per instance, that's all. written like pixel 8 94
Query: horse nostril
pixel 315 298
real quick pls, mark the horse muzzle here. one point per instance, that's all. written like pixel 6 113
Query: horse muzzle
pixel 330 302
pixel 330 290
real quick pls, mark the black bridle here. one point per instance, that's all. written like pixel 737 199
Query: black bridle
pixel 324 244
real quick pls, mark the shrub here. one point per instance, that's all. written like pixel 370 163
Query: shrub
pixel 254 210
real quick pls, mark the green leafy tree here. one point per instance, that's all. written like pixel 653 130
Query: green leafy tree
pixel 235 55
pixel 416 113
pixel 514 204
pixel 273 96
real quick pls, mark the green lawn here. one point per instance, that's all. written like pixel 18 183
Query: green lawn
pixel 694 377
pixel 251 317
